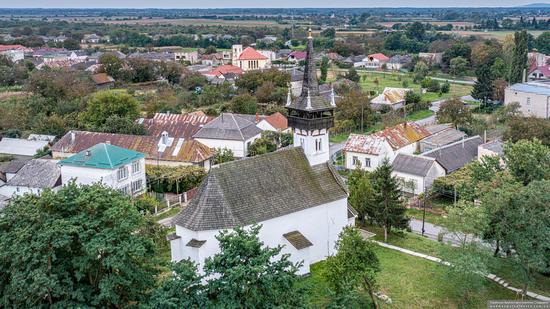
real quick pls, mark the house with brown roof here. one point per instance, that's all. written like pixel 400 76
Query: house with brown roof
pixel 249 59
pixel 391 97
pixel 369 151
pixel 163 150
pixel 103 81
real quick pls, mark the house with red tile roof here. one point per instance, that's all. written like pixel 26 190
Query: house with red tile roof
pixel 369 151
pixel 13 52
pixel 373 61
pixel 249 59
pixel 225 70
pixel 296 56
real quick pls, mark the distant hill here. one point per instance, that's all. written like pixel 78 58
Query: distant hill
pixel 537 5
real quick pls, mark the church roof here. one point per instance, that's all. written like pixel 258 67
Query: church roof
pixel 260 188
pixel 250 53
pixel 310 87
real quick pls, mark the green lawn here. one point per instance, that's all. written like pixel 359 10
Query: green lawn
pixel 410 282
pixel 167 214
pixel 342 137
pixel 419 115
pixel 430 217
pixel 501 267
pixel 377 82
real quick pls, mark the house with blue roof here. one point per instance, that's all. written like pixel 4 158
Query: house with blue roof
pixel 116 167
pixel 533 98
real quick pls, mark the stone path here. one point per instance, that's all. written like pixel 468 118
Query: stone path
pixel 491 277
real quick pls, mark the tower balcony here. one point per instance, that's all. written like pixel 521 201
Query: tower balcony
pixel 310 124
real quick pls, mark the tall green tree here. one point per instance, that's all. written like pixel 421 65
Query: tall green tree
pixel 324 70
pixel 247 274
pixel 527 160
pixel 183 289
pixel 354 266
pixel 361 193
pixel 454 111
pixel 244 104
pixel 105 104
pixel 519 60
pixel 483 87
pixel 526 219
pixel 389 211
pixel 79 247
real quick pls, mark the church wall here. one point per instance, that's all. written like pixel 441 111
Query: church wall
pixel 321 225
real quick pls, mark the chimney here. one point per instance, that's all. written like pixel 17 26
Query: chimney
pixel 73 137
pixel 88 153
pixel 257 117
pixel 164 138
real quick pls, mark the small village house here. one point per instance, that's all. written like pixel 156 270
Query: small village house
pixel 34 177
pixel 370 151
pixel 416 174
pixel 115 167
pixel 391 97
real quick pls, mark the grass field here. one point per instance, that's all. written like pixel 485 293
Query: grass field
pixel 410 282
pixel 501 267
pixel 499 35
pixel 377 82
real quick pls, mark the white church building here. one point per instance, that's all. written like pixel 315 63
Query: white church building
pixel 294 193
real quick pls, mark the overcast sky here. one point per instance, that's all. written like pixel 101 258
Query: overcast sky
pixel 257 3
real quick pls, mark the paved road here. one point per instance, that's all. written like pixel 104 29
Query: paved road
pixel 335 149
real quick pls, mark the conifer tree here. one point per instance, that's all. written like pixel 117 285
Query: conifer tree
pixel 519 61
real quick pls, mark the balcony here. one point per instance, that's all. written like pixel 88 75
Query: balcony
pixel 310 124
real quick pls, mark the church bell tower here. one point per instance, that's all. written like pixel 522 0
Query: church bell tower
pixel 311 115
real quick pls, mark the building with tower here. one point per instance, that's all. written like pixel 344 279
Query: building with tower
pixel 249 59
pixel 311 114
pixel 295 193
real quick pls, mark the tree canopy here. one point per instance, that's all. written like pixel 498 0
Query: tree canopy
pixel 80 247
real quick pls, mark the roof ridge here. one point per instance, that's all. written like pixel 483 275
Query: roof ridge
pixel 238 128
pixel 337 177
pixel 107 153
pixel 452 144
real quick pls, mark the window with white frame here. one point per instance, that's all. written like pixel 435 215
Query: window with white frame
pixel 122 173
pixel 367 162
pixel 136 167
pixel 355 161
pixel 137 185
pixel 125 190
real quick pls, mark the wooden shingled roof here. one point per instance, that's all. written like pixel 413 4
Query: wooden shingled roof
pixel 260 188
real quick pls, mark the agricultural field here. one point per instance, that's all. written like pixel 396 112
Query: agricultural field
pixel 499 35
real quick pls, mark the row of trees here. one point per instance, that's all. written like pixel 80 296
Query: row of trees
pixel 505 205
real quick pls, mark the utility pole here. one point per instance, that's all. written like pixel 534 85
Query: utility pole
pixel 424 211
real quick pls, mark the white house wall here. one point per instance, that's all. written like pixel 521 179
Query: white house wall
pixel 531 104
pixel 107 177
pixel 321 225
pixel 239 148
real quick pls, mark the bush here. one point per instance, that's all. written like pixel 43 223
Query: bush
pixel 430 84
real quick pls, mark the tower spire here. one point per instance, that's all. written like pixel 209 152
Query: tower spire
pixel 310 71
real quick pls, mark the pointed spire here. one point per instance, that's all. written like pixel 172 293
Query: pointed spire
pixel 310 71
pixel 289 97
pixel 308 106
pixel 332 96
pixel 309 34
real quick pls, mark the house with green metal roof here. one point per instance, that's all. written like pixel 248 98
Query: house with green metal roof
pixel 116 167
